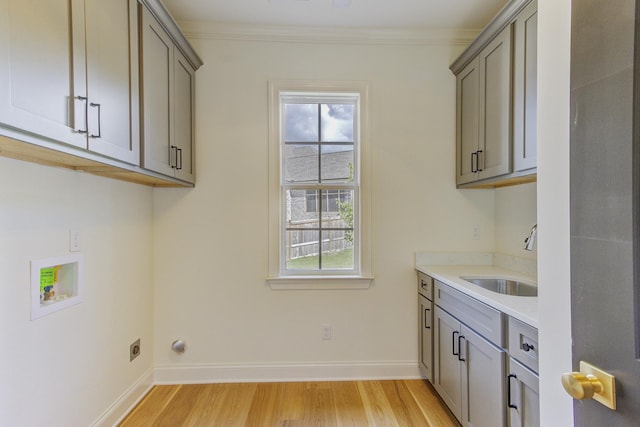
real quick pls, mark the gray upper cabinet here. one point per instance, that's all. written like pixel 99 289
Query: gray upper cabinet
pixel 483 119
pixel 38 84
pixel 496 101
pixel 467 121
pixel 112 79
pixel 184 117
pixel 495 104
pixel 71 95
pixel 168 88
pixel 77 83
pixel 525 118
pixel 157 74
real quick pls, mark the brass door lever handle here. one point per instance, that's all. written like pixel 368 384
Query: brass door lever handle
pixel 591 383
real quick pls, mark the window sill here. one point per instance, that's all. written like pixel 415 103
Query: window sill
pixel 319 282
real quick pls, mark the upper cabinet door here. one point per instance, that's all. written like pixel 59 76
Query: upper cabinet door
pixel 495 106
pixel 467 122
pixel 38 85
pixel 525 119
pixel 184 115
pixel 112 78
pixel 168 103
pixel 157 95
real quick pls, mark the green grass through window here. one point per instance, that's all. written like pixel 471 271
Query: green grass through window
pixel 342 259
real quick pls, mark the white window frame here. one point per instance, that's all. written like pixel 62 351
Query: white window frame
pixel 279 277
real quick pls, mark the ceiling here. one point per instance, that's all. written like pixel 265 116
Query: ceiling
pixel 356 14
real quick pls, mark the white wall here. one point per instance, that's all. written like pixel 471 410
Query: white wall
pixel 515 214
pixel 69 367
pixel 211 241
pixel 554 302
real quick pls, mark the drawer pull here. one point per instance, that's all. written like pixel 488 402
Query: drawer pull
pixel 509 404
pixel 453 344
pixel 527 347
pixel 86 118
pixel 426 318
pixel 460 358
pixel 99 135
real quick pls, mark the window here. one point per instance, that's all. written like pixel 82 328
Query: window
pixel 329 202
pixel 319 227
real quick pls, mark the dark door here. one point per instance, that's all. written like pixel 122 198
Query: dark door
pixel 604 180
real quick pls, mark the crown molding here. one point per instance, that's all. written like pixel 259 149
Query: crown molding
pixel 162 15
pixel 293 34
pixel 504 18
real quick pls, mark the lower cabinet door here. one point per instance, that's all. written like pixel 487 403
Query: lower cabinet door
pixel 425 326
pixel 523 400
pixel 483 385
pixel 447 372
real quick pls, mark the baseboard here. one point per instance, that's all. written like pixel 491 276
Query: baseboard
pixel 121 407
pixel 221 373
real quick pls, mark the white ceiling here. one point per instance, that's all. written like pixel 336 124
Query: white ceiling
pixel 361 14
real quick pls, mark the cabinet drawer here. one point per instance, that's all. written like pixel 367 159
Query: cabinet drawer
pixel 485 320
pixel 523 343
pixel 425 286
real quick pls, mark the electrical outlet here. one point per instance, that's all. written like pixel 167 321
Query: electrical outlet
pixel 134 350
pixel 475 232
pixel 326 332
pixel 74 240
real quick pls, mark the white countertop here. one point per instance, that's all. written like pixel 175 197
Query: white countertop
pixel 524 309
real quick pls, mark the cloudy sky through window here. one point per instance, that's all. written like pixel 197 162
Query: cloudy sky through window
pixel 301 123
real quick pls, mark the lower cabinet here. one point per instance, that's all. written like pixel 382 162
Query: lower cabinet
pixel 425 308
pixel 468 372
pixel 523 396
pixel 485 363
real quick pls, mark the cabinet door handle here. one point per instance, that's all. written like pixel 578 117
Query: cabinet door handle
pixel 509 404
pixel 426 312
pixel 173 157
pixel 86 115
pixel 179 156
pixel 478 161
pixel 460 339
pixel 474 164
pixel 453 344
pixel 99 135
pixel 527 347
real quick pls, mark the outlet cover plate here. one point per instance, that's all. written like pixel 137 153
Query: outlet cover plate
pixel 134 350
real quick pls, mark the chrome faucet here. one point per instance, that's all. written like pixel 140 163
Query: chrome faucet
pixel 531 239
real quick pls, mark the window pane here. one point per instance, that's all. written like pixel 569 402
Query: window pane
pixel 337 122
pixel 301 123
pixel 302 249
pixel 297 209
pixel 301 163
pixel 344 215
pixel 337 252
pixel 312 201
pixel 337 163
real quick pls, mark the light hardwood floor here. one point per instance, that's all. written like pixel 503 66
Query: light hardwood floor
pixel 401 403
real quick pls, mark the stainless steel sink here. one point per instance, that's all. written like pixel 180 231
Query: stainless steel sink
pixel 504 286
